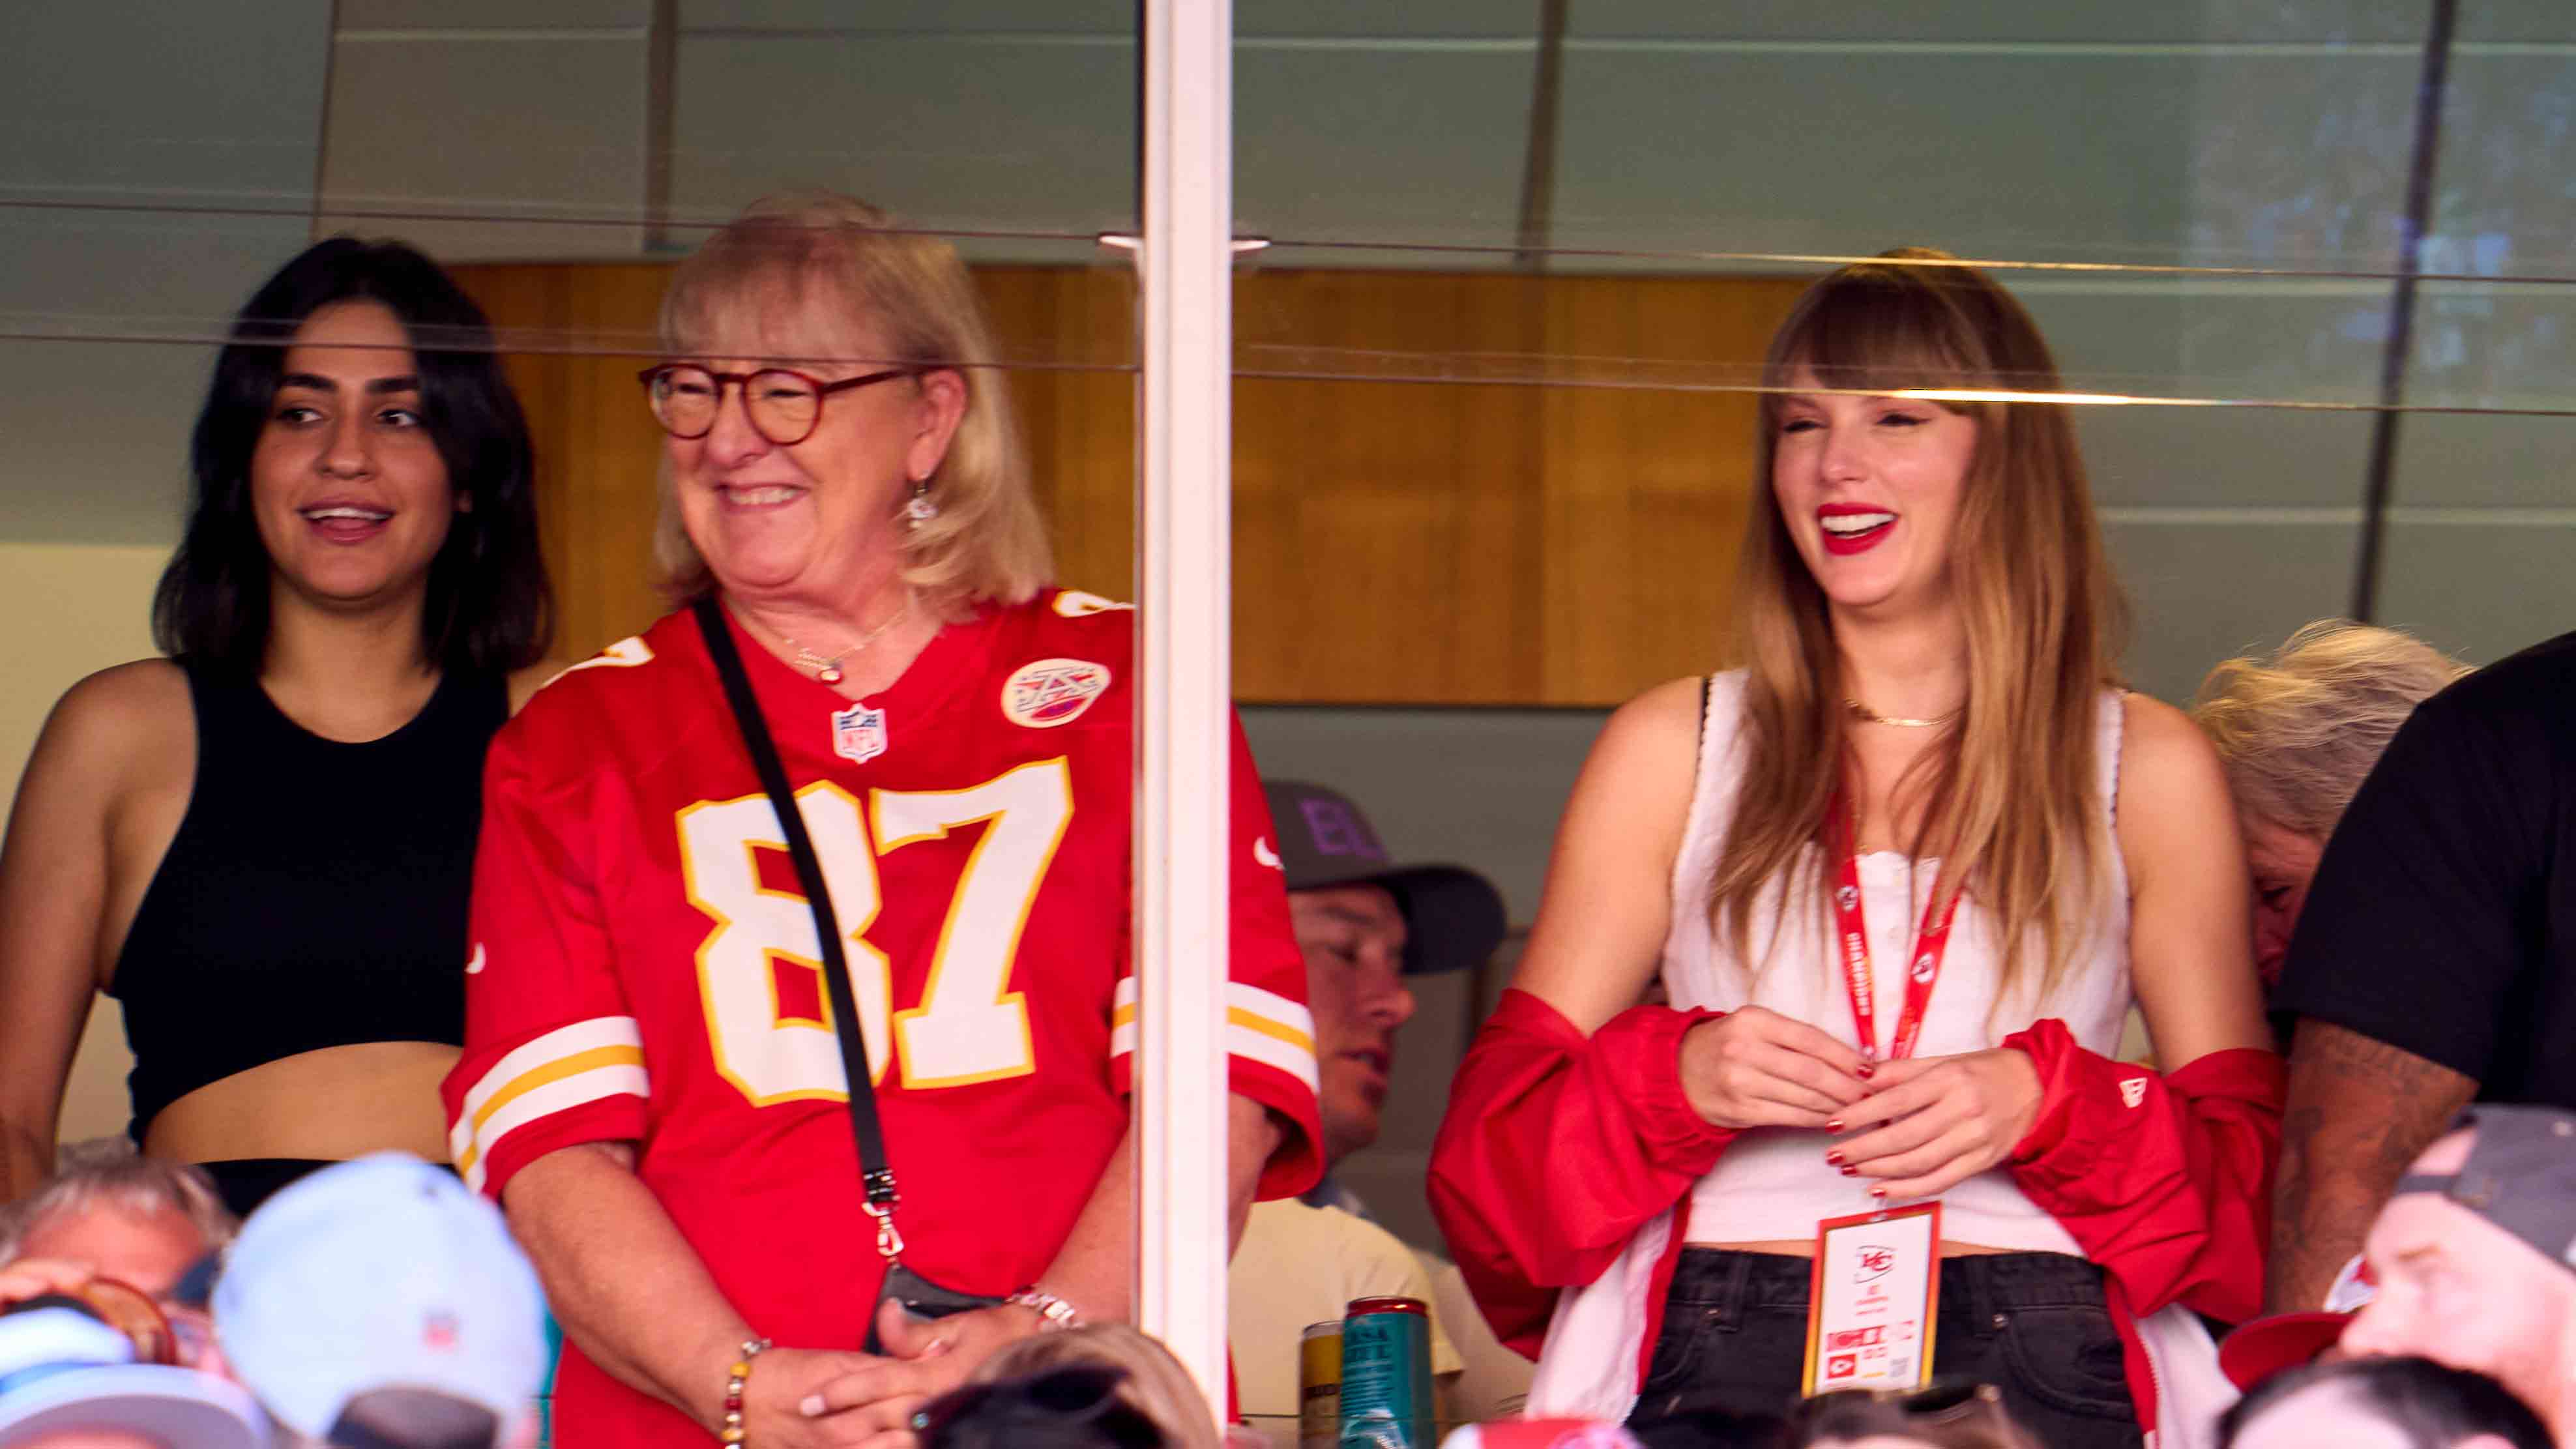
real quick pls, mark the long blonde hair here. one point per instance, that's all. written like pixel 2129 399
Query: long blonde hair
pixel 2011 806
pixel 813 273
pixel 2298 731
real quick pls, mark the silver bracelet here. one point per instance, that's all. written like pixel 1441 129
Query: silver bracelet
pixel 1054 1314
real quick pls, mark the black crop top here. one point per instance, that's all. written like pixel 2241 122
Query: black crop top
pixel 315 893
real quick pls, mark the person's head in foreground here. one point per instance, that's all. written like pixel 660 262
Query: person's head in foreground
pixel 2297 732
pixel 835 420
pixel 1366 925
pixel 2471 1253
pixel 138 1220
pixel 379 1304
pixel 1102 1387
pixel 2381 1403
pixel 1944 1416
pixel 71 1380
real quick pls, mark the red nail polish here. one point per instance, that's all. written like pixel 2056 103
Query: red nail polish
pixel 1834 1126
pixel 1851 1172
pixel 1879 1192
pixel 1836 1158
pixel 1867 1071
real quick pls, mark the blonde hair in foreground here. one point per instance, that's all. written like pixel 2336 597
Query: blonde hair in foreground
pixel 817 277
pixel 2011 807
pixel 2299 730
pixel 1156 1385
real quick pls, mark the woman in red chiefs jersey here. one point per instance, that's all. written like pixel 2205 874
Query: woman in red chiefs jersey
pixel 653 1085
pixel 1902 874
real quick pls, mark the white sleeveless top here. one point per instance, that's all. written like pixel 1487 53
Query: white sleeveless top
pixel 1773 1183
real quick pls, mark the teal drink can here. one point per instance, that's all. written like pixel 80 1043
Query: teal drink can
pixel 1386 1374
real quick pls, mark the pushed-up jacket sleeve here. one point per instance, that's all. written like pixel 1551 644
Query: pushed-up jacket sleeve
pixel 1557 1148
pixel 2163 1180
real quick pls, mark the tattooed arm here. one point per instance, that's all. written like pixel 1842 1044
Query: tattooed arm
pixel 2359 1111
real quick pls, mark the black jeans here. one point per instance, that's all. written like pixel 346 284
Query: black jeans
pixel 2032 1324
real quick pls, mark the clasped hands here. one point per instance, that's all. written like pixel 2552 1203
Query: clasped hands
pixel 809 1398
pixel 1910 1128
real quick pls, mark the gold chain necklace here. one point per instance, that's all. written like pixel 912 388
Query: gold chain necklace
pixel 1865 713
pixel 827 667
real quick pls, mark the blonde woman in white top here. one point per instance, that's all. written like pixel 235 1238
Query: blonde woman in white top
pixel 1902 875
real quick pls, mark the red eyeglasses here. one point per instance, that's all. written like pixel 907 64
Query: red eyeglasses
pixel 784 405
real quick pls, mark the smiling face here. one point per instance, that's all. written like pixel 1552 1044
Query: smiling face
pixel 1353 937
pixel 1869 489
pixel 815 523
pixel 350 495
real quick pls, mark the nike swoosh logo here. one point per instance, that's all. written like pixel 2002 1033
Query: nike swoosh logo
pixel 1262 853
pixel 474 964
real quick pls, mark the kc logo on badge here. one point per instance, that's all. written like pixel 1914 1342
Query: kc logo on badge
pixel 859 734
pixel 1052 692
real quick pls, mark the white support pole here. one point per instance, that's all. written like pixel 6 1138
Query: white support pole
pixel 1184 685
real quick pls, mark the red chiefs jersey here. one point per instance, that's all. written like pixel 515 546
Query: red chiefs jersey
pixel 644 964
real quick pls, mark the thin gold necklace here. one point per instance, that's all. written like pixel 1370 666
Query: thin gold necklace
pixel 827 667
pixel 1864 712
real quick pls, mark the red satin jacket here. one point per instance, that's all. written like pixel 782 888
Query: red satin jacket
pixel 1557 1147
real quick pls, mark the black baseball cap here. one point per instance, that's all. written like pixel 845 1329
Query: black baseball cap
pixel 1453 917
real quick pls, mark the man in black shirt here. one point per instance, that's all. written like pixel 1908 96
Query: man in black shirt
pixel 2435 963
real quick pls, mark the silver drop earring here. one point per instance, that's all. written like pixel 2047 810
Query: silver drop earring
pixel 920 509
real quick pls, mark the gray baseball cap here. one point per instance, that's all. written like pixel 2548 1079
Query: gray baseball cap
pixel 2520 1175
pixel 1453 917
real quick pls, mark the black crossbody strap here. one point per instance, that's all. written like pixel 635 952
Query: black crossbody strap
pixel 874 1171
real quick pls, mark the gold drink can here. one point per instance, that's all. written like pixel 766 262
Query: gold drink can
pixel 1319 1386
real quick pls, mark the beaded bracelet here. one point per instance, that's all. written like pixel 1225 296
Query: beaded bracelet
pixel 735 1378
pixel 1054 1314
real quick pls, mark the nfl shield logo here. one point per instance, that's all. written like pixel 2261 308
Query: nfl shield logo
pixel 859 734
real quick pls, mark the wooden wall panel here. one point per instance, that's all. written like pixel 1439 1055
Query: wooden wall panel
pixel 1386 534
pixel 1646 489
pixel 1395 543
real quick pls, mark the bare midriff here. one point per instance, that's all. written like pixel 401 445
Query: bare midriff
pixel 1806 1248
pixel 333 1103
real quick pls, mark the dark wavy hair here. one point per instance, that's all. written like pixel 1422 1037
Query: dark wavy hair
pixel 2433 1405
pixel 489 606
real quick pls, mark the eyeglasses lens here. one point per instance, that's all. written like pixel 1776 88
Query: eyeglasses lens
pixel 684 399
pixel 783 405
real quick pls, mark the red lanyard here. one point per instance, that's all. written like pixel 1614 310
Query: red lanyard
pixel 1931 939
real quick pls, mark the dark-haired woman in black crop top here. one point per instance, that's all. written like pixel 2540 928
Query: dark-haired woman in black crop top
pixel 262 844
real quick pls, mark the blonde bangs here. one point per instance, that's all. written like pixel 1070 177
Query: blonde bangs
pixel 776 310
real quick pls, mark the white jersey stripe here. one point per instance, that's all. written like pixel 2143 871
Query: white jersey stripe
pixel 1270 1051
pixel 535 1054
pixel 576 1090
pixel 1270 1006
